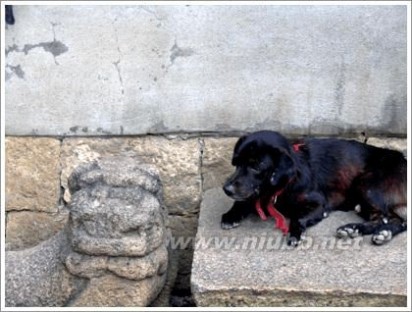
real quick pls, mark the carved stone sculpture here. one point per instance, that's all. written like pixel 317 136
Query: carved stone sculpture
pixel 113 250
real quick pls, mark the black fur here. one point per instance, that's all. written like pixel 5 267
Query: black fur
pixel 9 15
pixel 321 176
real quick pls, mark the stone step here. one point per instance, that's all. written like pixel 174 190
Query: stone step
pixel 252 265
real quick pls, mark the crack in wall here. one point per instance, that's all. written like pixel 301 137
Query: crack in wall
pixel 116 64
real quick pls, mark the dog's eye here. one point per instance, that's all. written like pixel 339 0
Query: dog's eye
pixel 256 167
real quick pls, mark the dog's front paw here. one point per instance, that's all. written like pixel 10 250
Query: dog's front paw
pixel 296 233
pixel 349 230
pixel 294 241
pixel 228 223
pixel 381 237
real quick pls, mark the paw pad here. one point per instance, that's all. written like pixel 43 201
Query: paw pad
pixel 228 226
pixel 382 237
pixel 293 241
pixel 347 232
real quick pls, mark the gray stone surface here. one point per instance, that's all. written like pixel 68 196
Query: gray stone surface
pixel 217 161
pixel 36 276
pixel 256 267
pixel 188 68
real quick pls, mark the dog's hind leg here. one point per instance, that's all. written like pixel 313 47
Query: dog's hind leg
pixel 371 203
pixel 382 229
pixel 382 203
pixel 353 230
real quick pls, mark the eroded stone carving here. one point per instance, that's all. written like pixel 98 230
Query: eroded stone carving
pixel 113 250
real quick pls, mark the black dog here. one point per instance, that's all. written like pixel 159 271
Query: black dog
pixel 305 180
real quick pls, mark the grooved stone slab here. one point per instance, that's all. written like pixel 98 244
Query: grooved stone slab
pixel 252 265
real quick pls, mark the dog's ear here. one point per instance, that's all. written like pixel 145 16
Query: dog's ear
pixel 285 170
pixel 236 150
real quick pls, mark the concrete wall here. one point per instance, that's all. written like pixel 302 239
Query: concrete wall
pixel 98 70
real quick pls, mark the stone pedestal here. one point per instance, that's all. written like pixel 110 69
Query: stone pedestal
pixel 252 265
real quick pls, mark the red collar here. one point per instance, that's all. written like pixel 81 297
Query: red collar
pixel 280 219
pixel 297 146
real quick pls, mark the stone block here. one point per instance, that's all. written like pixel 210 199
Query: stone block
pixel 25 229
pixel 217 158
pixel 178 161
pixel 32 174
pixel 252 265
pixel 183 226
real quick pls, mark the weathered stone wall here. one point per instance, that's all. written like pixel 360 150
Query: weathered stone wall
pixel 33 206
pixel 126 70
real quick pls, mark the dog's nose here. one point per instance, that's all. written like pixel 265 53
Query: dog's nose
pixel 229 189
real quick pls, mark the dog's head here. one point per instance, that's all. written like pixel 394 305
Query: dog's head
pixel 264 164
